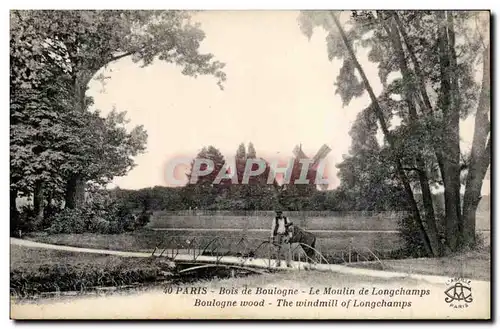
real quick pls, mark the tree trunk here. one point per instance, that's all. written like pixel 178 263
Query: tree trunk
pixel 378 112
pixel 480 155
pixel 75 185
pixel 454 119
pixel 424 102
pixel 14 214
pixel 450 133
pixel 410 99
pixel 38 203
pixel 75 192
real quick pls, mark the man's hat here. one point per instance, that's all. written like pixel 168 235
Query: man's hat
pixel 279 211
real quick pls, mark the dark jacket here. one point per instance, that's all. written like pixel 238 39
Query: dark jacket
pixel 275 224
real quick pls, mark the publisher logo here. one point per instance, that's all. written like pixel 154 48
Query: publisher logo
pixel 459 293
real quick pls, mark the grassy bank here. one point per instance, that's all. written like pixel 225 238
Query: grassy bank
pixel 141 240
pixel 472 265
pixel 146 240
pixel 34 271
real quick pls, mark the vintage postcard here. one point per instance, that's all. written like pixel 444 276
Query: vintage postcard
pixel 169 164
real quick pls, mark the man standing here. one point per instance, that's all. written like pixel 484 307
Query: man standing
pixel 278 232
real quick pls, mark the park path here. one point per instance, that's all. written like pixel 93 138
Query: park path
pixel 238 261
pixel 33 244
pixel 156 304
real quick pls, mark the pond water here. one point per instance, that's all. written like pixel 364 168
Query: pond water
pixel 174 277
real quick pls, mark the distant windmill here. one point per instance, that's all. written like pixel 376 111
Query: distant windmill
pixel 320 155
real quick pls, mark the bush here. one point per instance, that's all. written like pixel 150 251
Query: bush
pixel 414 247
pixel 24 221
pixel 412 243
pixel 100 215
pixel 479 243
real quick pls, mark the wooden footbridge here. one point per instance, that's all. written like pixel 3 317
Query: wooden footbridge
pixel 248 254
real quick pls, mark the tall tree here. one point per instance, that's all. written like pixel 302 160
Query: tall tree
pixel 103 152
pixel 202 192
pixel 251 153
pixel 93 39
pixel 367 172
pixel 39 121
pixel 237 191
pixel 296 194
pixel 241 152
pixel 423 48
pixel 49 140
pixel 480 153
pixel 241 158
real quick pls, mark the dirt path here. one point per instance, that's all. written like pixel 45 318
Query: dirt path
pixel 157 304
pixel 33 244
pixel 253 262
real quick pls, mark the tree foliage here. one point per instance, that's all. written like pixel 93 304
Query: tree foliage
pixel 60 149
pixel 436 58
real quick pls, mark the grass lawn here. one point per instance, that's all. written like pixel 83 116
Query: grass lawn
pixel 143 240
pixel 22 257
pixel 472 265
pixel 146 240
pixel 34 271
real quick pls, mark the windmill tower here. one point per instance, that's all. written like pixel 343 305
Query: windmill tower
pixel 320 155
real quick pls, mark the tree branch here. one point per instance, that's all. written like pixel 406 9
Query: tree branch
pixel 416 64
pixel 424 101
pixel 485 159
pixel 380 116
pixel 411 100
pixel 412 169
pixel 115 58
pixel 480 34
pixel 481 142
pixel 16 12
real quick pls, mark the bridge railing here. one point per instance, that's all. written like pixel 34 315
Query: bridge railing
pixel 245 249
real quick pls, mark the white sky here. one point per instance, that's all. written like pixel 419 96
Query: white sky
pixel 279 93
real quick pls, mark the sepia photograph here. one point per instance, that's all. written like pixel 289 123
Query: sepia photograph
pixel 250 164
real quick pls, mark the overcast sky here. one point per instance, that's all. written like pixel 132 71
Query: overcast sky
pixel 279 93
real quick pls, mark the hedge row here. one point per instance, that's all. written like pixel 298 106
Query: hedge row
pixel 25 281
